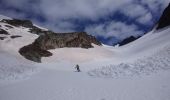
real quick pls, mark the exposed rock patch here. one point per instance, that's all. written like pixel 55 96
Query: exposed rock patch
pixel 34 53
pixel 38 31
pixel 59 40
pixel 165 18
pixel 15 36
pixel 52 40
pixel 2 31
pixel 8 26
pixel 49 40
pixel 17 22
pixel 128 40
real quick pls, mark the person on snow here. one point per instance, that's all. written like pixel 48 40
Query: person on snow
pixel 78 68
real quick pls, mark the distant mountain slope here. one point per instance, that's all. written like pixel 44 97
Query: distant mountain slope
pixel 47 39
pixel 139 70
pixel 33 42
pixel 128 40
pixel 146 55
pixel 164 21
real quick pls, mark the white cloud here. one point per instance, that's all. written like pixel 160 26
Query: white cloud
pixel 145 19
pixel 134 10
pixel 156 5
pixel 57 12
pixel 119 30
pixel 90 9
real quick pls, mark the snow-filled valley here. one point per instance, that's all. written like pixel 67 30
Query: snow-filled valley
pixel 137 71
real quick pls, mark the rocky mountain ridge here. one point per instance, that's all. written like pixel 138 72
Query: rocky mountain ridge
pixel 39 48
pixel 163 22
pixel 48 40
pixel 165 18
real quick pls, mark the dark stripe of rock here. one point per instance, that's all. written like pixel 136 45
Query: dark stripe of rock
pixel 15 36
pixel 2 31
pixel 17 22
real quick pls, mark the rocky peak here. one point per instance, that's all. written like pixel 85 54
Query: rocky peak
pixel 165 18
pixel 59 40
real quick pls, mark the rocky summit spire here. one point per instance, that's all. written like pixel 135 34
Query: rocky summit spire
pixel 164 21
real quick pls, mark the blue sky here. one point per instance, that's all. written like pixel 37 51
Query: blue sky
pixel 108 20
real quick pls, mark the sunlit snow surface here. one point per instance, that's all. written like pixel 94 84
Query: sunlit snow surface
pixel 136 71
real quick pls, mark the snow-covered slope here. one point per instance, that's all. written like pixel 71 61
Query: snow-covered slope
pixel 98 57
pixel 95 59
pixel 13 45
pixel 12 64
pixel 136 71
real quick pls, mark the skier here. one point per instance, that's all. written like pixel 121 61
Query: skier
pixel 77 67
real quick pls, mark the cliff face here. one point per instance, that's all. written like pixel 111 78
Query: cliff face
pixel 165 18
pixel 59 40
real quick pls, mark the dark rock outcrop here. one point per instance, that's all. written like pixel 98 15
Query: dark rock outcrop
pixel 128 40
pixel 8 26
pixel 51 40
pixel 34 53
pixel 59 40
pixel 15 36
pixel 38 31
pixel 2 31
pixel 17 22
pixel 165 18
